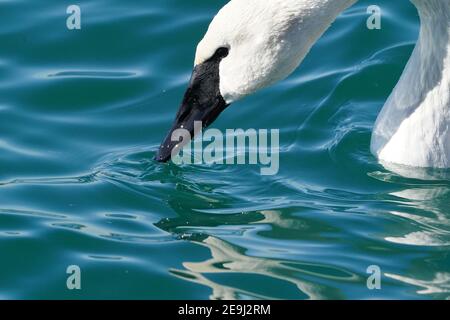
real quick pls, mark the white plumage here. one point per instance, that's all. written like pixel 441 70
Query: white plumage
pixel 268 40
pixel 413 127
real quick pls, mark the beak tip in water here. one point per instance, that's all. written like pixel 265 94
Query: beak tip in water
pixel 162 156
pixel 160 159
pixel 201 103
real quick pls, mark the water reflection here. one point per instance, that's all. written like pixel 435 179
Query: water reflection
pixel 440 284
pixel 424 198
pixel 228 258
pixel 219 232
pixel 430 216
pixel 421 174
pixel 424 195
pixel 302 249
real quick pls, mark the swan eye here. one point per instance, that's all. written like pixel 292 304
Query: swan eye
pixel 222 52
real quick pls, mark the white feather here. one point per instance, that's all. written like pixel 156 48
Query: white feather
pixel 413 127
pixel 268 39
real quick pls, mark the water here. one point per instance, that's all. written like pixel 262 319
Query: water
pixel 82 114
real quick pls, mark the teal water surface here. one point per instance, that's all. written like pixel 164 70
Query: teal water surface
pixel 82 114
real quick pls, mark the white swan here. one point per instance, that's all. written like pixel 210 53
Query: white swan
pixel 252 44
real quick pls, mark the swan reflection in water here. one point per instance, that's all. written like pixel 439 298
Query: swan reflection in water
pixel 228 258
pixel 316 242
pixel 298 280
pixel 426 200
pixel 235 239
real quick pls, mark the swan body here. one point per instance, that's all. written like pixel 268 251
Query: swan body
pixel 252 44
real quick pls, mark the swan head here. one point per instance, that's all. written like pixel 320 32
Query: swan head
pixel 250 45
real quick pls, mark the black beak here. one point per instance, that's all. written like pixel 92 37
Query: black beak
pixel 202 102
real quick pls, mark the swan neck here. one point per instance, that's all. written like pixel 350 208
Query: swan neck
pixel 433 9
pixel 417 113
